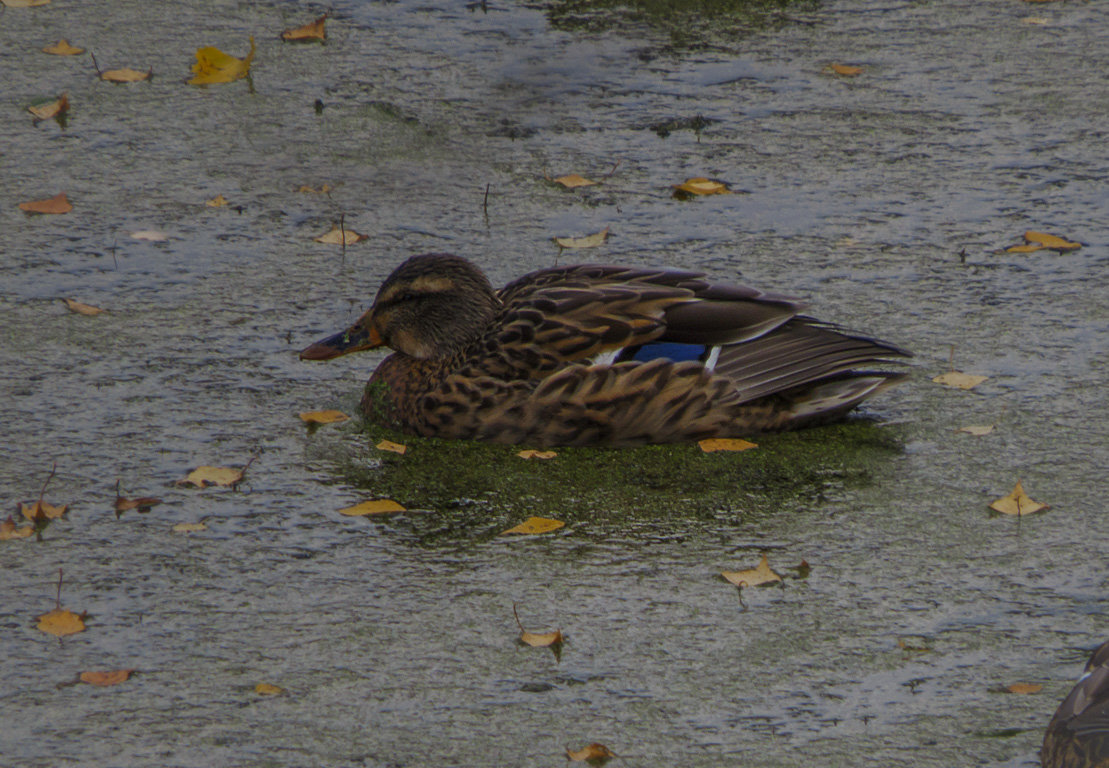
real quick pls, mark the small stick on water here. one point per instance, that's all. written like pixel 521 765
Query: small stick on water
pixel 343 236
pixel 58 594
pixel 614 167
pixel 94 64
pixel 485 202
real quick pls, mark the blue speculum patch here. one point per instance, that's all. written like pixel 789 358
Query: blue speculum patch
pixel 677 352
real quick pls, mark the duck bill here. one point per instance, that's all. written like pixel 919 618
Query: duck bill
pixel 353 339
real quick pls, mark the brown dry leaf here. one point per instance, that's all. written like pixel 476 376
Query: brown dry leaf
pixel 56 204
pixel 844 70
pixel 55 108
pixel 1037 20
pixel 151 235
pixel 323 417
pixel 589 241
pixel 959 380
pixel 725 444
pixel 322 190
pixel 125 75
pixel 594 754
pixel 978 430
pixel 1051 242
pixel 9 530
pixel 311 31
pixel 531 453
pixel 373 507
pixel 911 648
pixel 1024 688
pixel 699 185
pixel 60 622
pixel 217 202
pixel 268 689
pixel 142 504
pixel 189 528
pixel 389 445
pixel 572 181
pixel 535 525
pixel 204 476
pixel 81 309
pixel 339 236
pixel 40 510
pixel 62 48
pixel 214 66
pixel 115 677
pixel 1018 503
pixel 753 577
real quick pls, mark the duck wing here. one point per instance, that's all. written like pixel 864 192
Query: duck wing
pixel 1078 735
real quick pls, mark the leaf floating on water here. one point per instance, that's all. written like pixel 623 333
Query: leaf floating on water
pixel 56 204
pixel 373 507
pixel 216 202
pixel 753 577
pixel 573 181
pixel 594 754
pixel 843 70
pixel 1024 688
pixel 312 31
pixel 214 66
pixel 9 530
pixel 389 445
pixel 40 510
pixel 143 504
pixel 552 640
pixel 1042 241
pixel 700 186
pixel 531 453
pixel 61 622
pixel 978 430
pixel 1017 503
pixel 960 380
pixel 105 679
pixel 589 241
pixel 339 236
pixel 151 235
pixel 81 309
pixel 62 48
pixel 204 476
pixel 725 444
pixel 912 648
pixel 322 190
pixel 268 689
pixel 56 108
pixel 126 75
pixel 535 525
pixel 24 3
pixel 189 528
pixel 323 417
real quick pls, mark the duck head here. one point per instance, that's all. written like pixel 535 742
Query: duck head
pixel 430 307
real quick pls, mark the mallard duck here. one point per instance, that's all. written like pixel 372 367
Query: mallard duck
pixel 600 355
pixel 1078 734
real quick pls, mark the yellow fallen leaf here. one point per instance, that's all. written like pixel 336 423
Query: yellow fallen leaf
pixel 1039 21
pixel 1051 242
pixel 216 202
pixel 594 754
pixel 125 75
pixel 55 108
pixel 189 528
pixel 115 677
pixel 1024 688
pixel 977 430
pixel 323 417
pixel 312 31
pixel 589 241
pixel 531 453
pixel 373 507
pixel 725 444
pixel 151 235
pixel 573 181
pixel 204 476
pixel 56 204
pixel 699 185
pixel 1017 503
pixel 24 3
pixel 389 445
pixel 339 236
pixel 845 70
pixel 322 190
pixel 535 525
pixel 753 577
pixel 40 510
pixel 81 309
pixel 142 504
pixel 214 66
pixel 9 530
pixel 60 622
pixel 959 380
pixel 62 48
pixel 268 689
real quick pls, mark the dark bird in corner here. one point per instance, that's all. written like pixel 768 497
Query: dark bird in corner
pixel 1078 734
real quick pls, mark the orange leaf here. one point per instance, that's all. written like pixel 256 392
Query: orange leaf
pixel 753 577
pixel 55 108
pixel 531 453
pixel 204 476
pixel 142 504
pixel 1024 688
pixel 56 204
pixel 81 309
pixel 1051 242
pixel 115 677
pixel 8 530
pixel 323 417
pixel 62 48
pixel 311 31
pixel 339 236
pixel 845 70
pixel 535 525
pixel 268 689
pixel 125 75
pixel 373 507
pixel 389 445
pixel 725 444
pixel 60 622
pixel 41 510
pixel 594 754
pixel 573 181
pixel 216 202
pixel 1017 503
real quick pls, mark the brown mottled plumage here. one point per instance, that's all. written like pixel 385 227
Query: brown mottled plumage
pixel 572 356
pixel 1078 735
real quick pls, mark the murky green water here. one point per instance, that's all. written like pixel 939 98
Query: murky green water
pixel 395 638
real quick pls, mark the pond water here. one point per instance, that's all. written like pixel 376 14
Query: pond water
pixel 883 198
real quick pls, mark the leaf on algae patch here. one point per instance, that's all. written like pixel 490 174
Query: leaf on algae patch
pixel 214 66
pixel 1018 503
pixel 531 453
pixel 373 507
pixel 753 577
pixel 535 525
pixel 725 444
pixel 389 445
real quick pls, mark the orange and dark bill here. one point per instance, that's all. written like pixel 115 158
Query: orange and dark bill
pixel 353 339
